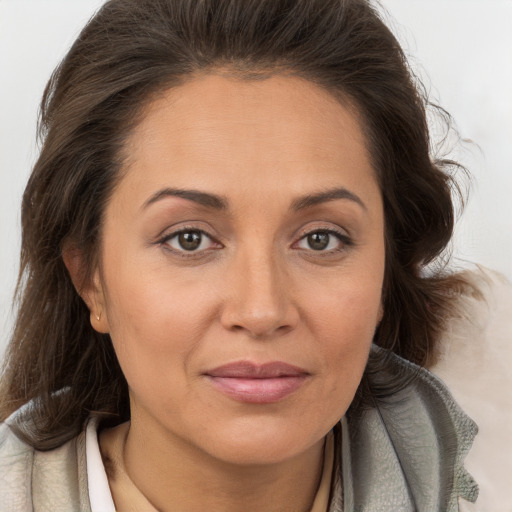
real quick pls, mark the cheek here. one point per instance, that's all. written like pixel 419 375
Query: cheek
pixel 345 334
pixel 343 322
pixel 156 320
pixel 146 292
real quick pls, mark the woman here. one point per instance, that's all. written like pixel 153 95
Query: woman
pixel 224 281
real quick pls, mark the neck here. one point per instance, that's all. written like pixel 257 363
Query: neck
pixel 173 475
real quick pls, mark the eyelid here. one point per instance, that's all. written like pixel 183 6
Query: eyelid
pixel 164 239
pixel 344 238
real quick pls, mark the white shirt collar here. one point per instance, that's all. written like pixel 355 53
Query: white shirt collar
pixel 100 496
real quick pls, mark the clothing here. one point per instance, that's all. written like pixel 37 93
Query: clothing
pixel 405 454
pixel 100 496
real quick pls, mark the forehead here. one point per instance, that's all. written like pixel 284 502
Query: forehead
pixel 217 131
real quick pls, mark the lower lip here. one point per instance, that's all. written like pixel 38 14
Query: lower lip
pixel 258 391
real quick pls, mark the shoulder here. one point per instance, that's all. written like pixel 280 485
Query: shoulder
pixel 53 480
pixel 16 461
pixel 475 357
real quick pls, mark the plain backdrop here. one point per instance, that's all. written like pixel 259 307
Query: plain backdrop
pixel 462 49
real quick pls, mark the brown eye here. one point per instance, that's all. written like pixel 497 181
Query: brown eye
pixel 326 241
pixel 318 241
pixel 190 240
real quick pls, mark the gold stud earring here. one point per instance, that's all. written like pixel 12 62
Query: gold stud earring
pixel 98 316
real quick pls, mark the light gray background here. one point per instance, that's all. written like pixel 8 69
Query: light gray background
pixel 461 48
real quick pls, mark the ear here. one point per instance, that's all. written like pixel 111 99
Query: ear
pixel 90 288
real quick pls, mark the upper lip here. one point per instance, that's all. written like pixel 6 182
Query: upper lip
pixel 250 370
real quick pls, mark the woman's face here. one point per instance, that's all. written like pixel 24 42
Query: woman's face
pixel 242 266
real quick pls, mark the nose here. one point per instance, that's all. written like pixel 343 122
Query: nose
pixel 259 297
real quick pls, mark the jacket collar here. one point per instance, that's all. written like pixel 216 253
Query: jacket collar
pixel 406 452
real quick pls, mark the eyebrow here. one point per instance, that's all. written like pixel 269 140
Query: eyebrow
pixel 219 203
pixel 311 200
pixel 203 198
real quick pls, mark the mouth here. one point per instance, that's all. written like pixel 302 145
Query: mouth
pixel 257 384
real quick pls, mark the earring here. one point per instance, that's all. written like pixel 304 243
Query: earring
pixel 98 316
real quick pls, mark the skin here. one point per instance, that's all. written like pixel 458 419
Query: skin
pixel 255 290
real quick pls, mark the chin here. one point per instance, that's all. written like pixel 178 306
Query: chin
pixel 263 454
pixel 256 444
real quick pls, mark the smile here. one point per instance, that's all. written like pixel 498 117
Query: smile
pixel 257 384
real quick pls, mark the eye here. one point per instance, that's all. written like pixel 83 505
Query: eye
pixel 323 240
pixel 189 240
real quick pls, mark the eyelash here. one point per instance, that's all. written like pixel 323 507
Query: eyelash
pixel 164 242
pixel 343 238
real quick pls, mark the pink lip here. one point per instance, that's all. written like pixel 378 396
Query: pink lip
pixel 258 384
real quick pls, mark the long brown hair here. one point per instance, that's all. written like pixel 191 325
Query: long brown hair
pixel 131 50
